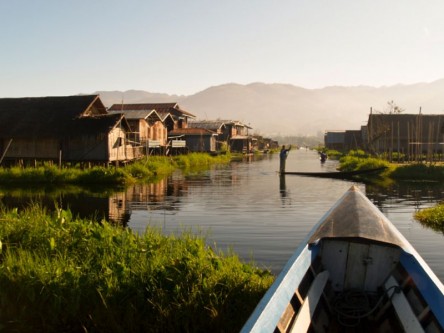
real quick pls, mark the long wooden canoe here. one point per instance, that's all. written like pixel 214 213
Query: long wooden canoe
pixel 354 272
pixel 335 174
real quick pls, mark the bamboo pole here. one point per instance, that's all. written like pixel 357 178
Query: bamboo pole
pixel 6 150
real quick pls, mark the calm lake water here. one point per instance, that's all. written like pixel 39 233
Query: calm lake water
pixel 246 207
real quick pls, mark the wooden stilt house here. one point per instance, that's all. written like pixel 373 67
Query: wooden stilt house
pixel 233 133
pixel 197 139
pixel 61 129
pixel 147 128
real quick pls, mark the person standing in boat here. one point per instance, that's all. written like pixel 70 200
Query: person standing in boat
pixel 283 157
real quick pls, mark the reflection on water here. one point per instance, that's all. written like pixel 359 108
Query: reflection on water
pixel 248 207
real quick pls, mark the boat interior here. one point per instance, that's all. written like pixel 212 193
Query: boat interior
pixel 357 285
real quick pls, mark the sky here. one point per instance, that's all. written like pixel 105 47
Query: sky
pixel 66 47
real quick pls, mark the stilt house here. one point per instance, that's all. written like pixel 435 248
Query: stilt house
pixel 179 115
pixel 197 139
pixel 172 116
pixel 63 129
pixel 147 128
pixel 234 133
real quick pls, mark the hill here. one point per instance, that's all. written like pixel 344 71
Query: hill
pixel 283 109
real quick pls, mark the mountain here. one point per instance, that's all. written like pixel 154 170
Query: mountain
pixel 283 109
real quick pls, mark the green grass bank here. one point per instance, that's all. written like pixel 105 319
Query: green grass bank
pixel 63 274
pixel 144 170
pixel 432 217
pixel 359 160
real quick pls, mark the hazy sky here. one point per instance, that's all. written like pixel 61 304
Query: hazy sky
pixel 65 47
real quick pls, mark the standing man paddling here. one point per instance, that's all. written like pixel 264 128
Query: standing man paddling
pixel 283 157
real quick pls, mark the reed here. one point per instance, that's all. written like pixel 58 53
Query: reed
pixel 64 274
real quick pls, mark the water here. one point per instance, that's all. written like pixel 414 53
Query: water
pixel 247 207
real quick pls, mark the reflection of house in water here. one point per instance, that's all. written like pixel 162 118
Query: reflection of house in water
pixel 148 196
pixel 117 208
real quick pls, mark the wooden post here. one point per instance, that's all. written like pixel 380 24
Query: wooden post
pixel 6 150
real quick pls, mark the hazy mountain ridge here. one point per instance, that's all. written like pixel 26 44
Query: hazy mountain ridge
pixel 283 109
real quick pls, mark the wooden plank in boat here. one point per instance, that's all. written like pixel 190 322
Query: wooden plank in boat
pixel 334 259
pixel 356 269
pixel 402 307
pixel 308 308
pixel 381 259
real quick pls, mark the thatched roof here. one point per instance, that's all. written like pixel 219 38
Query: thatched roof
pixel 45 116
pixel 98 124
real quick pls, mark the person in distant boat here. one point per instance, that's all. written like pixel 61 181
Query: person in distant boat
pixel 283 157
pixel 323 156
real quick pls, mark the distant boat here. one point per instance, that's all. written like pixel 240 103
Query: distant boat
pixel 335 174
pixel 354 272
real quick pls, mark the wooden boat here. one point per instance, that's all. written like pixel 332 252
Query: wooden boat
pixel 354 272
pixel 335 174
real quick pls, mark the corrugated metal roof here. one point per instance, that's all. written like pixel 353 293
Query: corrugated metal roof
pixel 216 124
pixel 137 114
pixel 207 124
pixel 131 107
pixel 161 108
pixel 191 131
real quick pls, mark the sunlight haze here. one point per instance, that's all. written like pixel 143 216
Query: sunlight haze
pixel 53 47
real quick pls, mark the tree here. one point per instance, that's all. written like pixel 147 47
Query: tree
pixel 393 108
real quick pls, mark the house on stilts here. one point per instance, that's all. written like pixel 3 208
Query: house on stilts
pixel 62 129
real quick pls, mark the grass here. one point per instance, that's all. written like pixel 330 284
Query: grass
pixel 359 160
pixel 145 170
pixel 418 171
pixel 49 174
pixel 432 217
pixel 64 274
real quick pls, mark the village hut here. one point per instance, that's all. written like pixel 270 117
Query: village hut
pixel 179 116
pixel 197 139
pixel 147 127
pixel 63 129
pixel 233 133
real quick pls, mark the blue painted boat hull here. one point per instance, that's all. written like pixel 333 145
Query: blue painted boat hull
pixel 353 250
